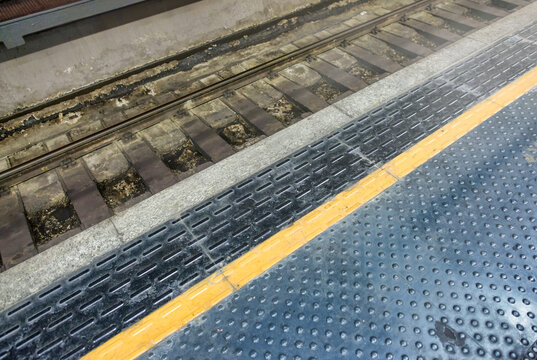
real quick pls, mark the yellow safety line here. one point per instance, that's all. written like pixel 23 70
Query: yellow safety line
pixel 171 317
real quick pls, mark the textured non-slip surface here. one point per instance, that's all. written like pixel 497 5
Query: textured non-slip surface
pixel 81 312
pixel 440 266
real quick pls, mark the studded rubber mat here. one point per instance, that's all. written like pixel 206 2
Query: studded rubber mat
pixel 75 315
pixel 440 266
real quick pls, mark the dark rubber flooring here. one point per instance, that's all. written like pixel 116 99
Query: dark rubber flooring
pixel 440 266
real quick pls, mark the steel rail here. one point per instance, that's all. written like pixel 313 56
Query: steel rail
pixel 298 54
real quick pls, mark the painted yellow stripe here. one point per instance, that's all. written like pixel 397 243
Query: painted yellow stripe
pixel 166 320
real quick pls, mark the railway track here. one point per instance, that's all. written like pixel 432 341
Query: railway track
pixel 80 181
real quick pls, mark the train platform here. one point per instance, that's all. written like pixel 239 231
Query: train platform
pixel 397 223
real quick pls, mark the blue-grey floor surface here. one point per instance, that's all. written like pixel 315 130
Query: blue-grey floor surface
pixel 442 265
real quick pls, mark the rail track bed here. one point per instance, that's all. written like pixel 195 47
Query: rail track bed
pixel 100 160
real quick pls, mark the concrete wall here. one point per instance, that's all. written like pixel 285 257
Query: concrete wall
pixel 49 72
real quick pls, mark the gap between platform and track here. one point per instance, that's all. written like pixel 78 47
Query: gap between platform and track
pixel 80 250
pixel 197 300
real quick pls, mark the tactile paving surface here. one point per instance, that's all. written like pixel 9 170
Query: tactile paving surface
pixel 440 266
pixel 77 314
pixel 530 33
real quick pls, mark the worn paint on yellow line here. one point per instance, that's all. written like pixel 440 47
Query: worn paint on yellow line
pixel 171 317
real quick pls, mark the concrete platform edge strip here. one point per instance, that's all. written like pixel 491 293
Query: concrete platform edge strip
pixel 171 317
pixel 81 249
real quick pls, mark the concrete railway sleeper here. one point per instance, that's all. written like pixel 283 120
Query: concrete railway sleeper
pixel 83 180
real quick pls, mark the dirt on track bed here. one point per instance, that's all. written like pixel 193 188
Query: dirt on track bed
pixel 238 134
pixel 185 158
pixel 119 190
pixel 49 223
pixel 368 75
pixel 285 111
pixel 327 91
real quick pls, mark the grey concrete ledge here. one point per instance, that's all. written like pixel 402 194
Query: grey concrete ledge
pixel 106 52
pixel 57 262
